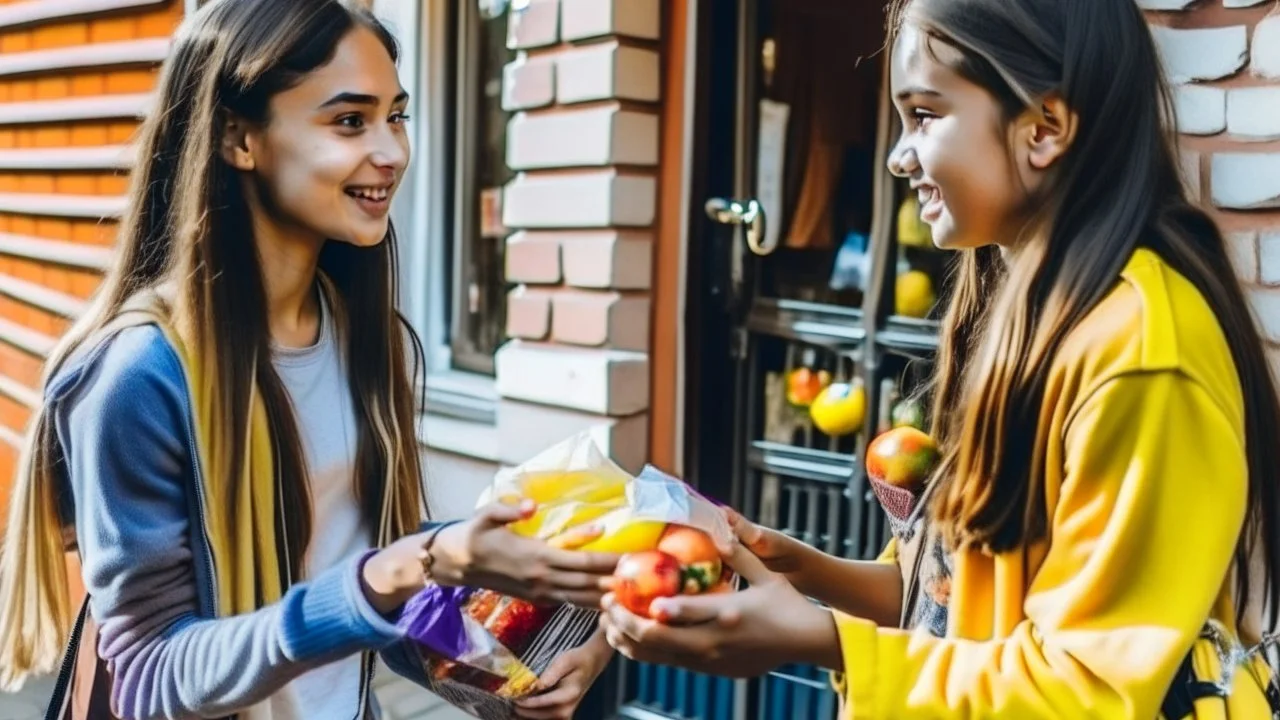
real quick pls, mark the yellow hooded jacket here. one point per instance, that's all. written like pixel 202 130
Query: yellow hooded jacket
pixel 1142 439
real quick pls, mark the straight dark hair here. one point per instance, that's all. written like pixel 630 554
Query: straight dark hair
pixel 1117 189
pixel 188 227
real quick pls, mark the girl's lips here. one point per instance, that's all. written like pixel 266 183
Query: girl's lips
pixel 931 204
pixel 374 203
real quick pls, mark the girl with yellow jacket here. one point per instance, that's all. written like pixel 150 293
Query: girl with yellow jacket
pixel 1105 522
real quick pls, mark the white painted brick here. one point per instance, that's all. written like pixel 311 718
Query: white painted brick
pixel 526 429
pixel 607 382
pixel 534 24
pixel 529 82
pixel 1266 48
pixel 1243 181
pixel 1268 244
pixel 529 313
pixel 533 257
pixel 1242 248
pixel 1254 112
pixel 600 319
pixel 1200 110
pixel 581 19
pixel 606 71
pixel 587 199
pixel 611 259
pixel 1202 53
pixel 1266 307
pixel 1164 4
pixel 588 137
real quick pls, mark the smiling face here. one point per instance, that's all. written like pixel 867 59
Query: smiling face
pixel 334 148
pixel 957 148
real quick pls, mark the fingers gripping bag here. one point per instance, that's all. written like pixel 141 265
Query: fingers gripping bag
pixel 480 650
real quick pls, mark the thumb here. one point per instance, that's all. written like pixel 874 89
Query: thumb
pixel 749 533
pixel 751 568
pixel 498 514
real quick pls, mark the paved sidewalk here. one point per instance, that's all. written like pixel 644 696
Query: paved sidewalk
pixel 400 700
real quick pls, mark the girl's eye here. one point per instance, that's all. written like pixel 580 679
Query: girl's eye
pixel 353 122
pixel 399 118
pixel 921 117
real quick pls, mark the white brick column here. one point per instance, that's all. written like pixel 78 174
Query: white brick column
pixel 584 143
pixel 1223 57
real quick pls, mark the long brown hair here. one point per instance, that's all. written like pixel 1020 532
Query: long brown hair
pixel 1117 189
pixel 188 226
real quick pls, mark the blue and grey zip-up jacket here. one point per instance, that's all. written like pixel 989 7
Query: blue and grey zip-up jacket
pixel 124 426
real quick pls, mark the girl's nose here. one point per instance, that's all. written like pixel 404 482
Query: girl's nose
pixel 390 152
pixel 903 161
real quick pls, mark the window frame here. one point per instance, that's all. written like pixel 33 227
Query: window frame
pixel 427 203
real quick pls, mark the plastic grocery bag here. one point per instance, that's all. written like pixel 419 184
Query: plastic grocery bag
pixel 480 650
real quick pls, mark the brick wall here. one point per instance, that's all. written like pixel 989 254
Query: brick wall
pixel 1224 58
pixel 581 211
pixel 74 77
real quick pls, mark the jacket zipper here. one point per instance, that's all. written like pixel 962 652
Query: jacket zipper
pixel 201 508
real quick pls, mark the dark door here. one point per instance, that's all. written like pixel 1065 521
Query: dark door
pixel 812 288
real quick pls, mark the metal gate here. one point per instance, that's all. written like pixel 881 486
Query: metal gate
pixel 768 310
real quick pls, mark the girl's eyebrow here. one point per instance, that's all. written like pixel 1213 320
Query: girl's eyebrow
pixel 907 92
pixel 351 98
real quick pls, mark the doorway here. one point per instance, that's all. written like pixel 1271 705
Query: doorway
pixel 812 303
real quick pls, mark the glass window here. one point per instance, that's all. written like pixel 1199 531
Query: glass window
pixel 477 297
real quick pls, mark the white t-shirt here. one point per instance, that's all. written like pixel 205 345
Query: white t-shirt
pixel 316 380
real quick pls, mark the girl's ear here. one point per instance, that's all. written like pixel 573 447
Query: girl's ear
pixel 1051 130
pixel 235 142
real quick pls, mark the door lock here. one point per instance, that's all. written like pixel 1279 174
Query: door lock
pixel 750 215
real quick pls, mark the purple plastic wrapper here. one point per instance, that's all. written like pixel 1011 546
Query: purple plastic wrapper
pixel 433 617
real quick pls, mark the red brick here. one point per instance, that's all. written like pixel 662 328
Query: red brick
pixel 88 135
pixel 53 88
pixel 36 183
pixel 121 132
pixel 130 81
pixel 22 90
pixel 113 29
pixel 529 313
pixel 76 184
pixel 60 35
pixel 53 229
pixel 88 84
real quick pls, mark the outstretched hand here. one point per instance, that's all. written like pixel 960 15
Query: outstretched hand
pixel 483 552
pixel 741 634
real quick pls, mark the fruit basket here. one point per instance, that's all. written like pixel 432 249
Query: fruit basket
pixel 480 650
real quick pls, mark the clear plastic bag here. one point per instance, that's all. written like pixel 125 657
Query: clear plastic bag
pixel 480 650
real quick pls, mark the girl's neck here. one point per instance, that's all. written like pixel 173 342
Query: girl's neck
pixel 289 265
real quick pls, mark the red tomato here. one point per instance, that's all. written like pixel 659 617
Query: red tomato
pixel 643 577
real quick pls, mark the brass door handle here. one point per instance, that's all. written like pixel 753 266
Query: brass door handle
pixel 749 214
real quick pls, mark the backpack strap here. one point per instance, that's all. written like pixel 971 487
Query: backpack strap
pixel 83 689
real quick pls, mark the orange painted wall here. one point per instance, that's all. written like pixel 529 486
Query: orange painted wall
pixel 157 20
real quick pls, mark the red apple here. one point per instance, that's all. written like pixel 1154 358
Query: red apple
pixel 643 577
pixel 902 457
